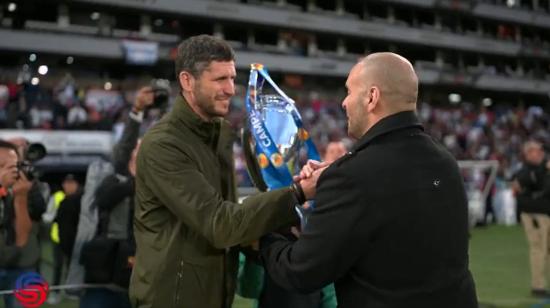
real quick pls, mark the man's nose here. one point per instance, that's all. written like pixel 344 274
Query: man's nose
pixel 229 88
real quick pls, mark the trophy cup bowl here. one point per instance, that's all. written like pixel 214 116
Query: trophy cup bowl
pixel 280 125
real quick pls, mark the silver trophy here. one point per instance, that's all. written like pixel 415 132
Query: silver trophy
pixel 274 139
pixel 277 116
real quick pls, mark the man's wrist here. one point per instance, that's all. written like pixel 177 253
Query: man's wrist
pixel 298 192
pixel 20 193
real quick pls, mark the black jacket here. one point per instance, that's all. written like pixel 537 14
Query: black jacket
pixel 67 218
pixel 534 196
pixel 9 253
pixel 390 226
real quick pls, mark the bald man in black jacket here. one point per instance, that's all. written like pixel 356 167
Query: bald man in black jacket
pixel 390 227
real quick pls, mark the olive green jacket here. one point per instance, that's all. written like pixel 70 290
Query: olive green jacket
pixel 187 221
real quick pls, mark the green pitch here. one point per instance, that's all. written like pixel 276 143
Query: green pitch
pixel 498 261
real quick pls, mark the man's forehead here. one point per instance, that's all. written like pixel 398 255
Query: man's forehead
pixel 219 65
pixel 354 74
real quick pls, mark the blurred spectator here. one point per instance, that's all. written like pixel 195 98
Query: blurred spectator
pixel 37 196
pixel 15 222
pixel 70 187
pixel 532 186
pixel 334 150
pixel 77 116
pixel 67 216
pixel 4 100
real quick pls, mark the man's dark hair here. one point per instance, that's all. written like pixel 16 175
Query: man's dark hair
pixel 196 53
pixel 8 146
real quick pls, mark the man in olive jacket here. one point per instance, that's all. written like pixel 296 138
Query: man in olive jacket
pixel 187 222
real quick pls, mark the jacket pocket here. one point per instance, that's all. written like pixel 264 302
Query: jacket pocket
pixel 198 286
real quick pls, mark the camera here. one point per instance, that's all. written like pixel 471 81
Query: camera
pixel 34 152
pixel 161 90
pixel 28 169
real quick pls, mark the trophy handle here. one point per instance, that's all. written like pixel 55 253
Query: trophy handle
pixel 252 165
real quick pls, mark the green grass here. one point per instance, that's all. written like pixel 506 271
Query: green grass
pixel 500 266
pixel 498 261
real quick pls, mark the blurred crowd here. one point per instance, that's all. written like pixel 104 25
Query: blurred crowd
pixel 469 131
pixel 66 107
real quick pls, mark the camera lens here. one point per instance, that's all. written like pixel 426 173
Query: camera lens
pixel 161 89
pixel 35 151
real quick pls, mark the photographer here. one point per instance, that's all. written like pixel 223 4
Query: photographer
pixel 37 200
pixel 532 187
pixel 113 261
pixel 15 223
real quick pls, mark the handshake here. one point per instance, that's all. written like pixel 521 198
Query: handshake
pixel 308 176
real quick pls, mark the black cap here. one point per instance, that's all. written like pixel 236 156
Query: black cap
pixel 69 177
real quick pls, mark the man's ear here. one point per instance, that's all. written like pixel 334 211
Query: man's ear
pixel 373 98
pixel 187 81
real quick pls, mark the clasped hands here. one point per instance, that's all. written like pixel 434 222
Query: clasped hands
pixel 308 176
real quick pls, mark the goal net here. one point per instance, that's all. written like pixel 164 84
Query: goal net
pixel 489 198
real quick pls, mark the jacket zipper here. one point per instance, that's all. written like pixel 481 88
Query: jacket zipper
pixel 178 281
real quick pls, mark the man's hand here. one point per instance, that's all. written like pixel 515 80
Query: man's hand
pixel 23 224
pixel 144 98
pixel 254 245
pixel 308 184
pixel 516 187
pixel 8 174
pixel 309 168
pixel 22 187
pixel 296 231
pixel 131 261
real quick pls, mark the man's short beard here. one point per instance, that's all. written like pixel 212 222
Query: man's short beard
pixel 203 102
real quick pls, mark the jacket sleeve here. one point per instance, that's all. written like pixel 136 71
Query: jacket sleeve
pixel 112 191
pixel 328 245
pixel 50 213
pixel 9 256
pixel 176 181
pixel 123 149
pixel 37 205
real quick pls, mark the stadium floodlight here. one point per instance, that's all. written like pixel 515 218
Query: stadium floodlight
pixel 12 7
pixel 455 98
pixel 35 81
pixel 32 57
pixel 95 16
pixel 43 69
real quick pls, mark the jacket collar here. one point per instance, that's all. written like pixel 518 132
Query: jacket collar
pixel 185 118
pixel 388 124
